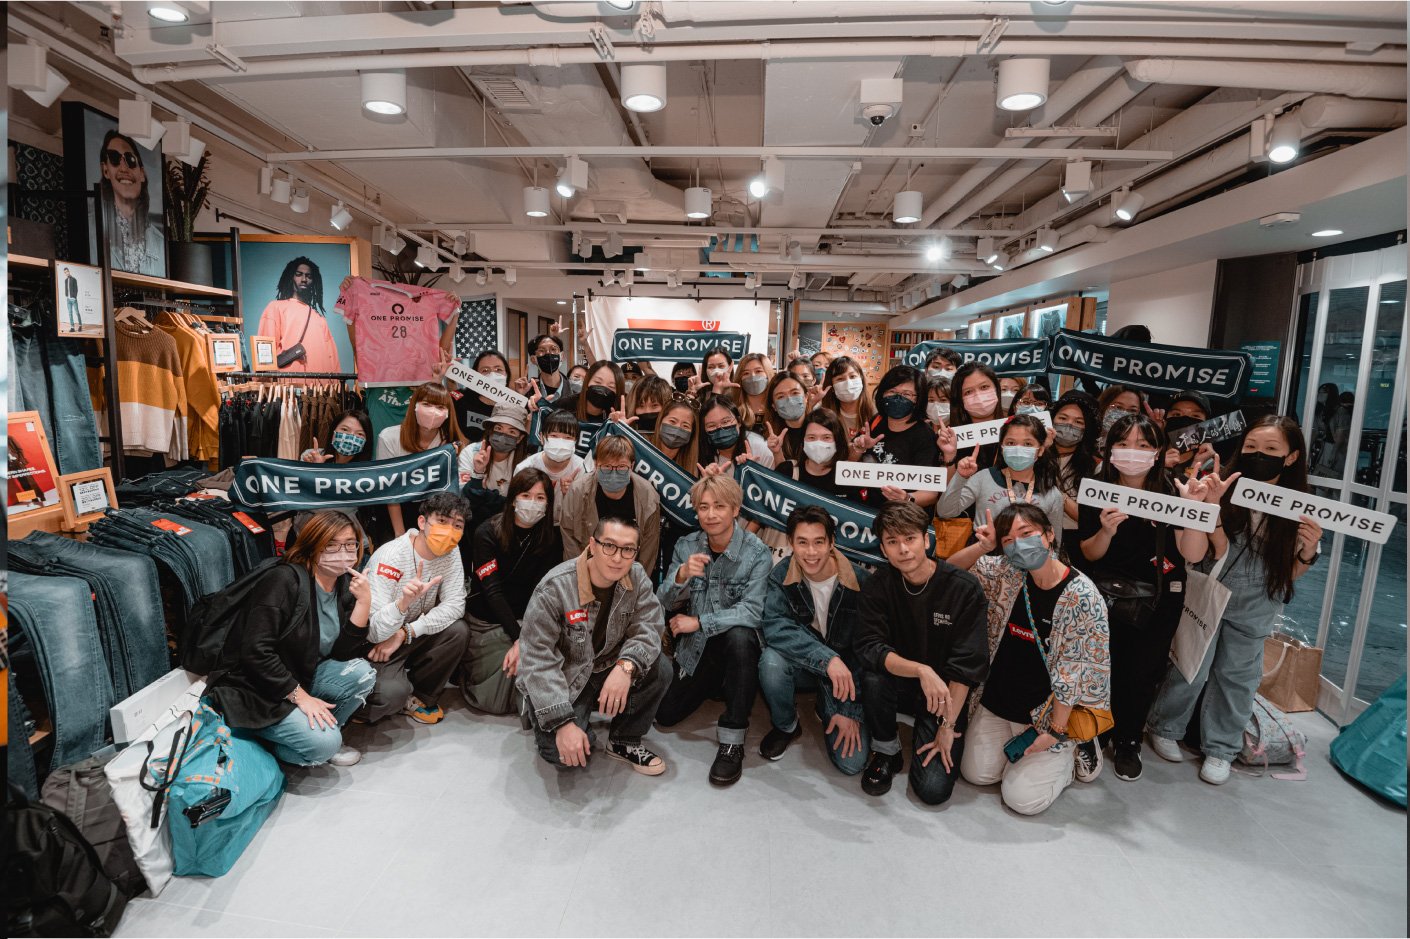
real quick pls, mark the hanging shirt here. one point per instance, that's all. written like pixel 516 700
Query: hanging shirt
pixel 397 328
pixel 292 322
pixel 387 407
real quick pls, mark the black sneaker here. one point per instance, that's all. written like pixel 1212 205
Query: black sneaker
pixel 1126 760
pixel 876 779
pixel 1089 761
pixel 728 765
pixel 638 758
pixel 776 741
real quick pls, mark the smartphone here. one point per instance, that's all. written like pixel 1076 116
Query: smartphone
pixel 1015 747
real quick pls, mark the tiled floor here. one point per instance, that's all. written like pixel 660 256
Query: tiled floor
pixel 460 830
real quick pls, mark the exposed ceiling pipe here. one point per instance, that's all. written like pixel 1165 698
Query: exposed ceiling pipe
pixel 1111 100
pixel 1321 112
pixel 1078 87
pixel 1354 81
pixel 555 56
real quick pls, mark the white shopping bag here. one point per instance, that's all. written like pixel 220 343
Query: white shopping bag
pixel 1205 600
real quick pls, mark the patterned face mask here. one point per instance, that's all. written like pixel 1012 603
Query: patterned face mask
pixel 348 444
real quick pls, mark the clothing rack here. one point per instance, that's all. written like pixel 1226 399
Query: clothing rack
pixel 290 376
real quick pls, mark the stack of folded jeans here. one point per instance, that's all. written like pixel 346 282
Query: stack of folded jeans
pixel 127 602
pixel 247 548
pixel 54 637
pixel 197 555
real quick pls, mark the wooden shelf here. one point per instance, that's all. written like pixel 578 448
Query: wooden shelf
pixel 24 260
pixel 176 286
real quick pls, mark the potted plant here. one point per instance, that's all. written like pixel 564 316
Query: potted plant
pixel 187 188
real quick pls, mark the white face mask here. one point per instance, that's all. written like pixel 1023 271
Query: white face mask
pixel 937 411
pixel 848 389
pixel 1006 399
pixel 819 451
pixel 557 449
pixel 529 511
pixel 496 378
pixel 717 373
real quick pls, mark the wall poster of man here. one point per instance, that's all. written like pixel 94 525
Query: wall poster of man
pixel 78 298
pixel 288 287
pixel 130 179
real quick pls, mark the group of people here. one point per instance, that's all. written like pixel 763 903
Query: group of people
pixel 1022 632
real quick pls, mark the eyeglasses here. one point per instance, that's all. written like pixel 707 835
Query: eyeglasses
pixel 343 548
pixel 116 157
pixel 680 397
pixel 612 550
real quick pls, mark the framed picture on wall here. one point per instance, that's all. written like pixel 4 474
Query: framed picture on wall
pixel 1044 322
pixel 78 300
pixel 31 476
pixel 262 355
pixel 1010 326
pixel 225 351
pixel 130 179
pixel 86 496
pixel 980 329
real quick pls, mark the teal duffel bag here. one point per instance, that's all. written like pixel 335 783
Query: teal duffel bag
pixel 218 790
pixel 1371 749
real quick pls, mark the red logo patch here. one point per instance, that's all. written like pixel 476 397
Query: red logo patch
pixel 487 570
pixel 389 572
pixel 1018 632
pixel 1164 562
pixel 575 617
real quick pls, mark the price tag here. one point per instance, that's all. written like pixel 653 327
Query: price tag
pixel 166 524
pixel 255 527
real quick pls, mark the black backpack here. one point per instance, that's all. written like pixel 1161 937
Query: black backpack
pixel 54 881
pixel 201 645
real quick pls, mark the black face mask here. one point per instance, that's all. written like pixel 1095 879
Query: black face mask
pixel 1173 425
pixel 1261 466
pixel 601 397
pixel 682 383
pixel 548 364
pixel 646 423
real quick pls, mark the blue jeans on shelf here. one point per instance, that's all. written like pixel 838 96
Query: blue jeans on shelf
pixel 780 679
pixel 54 615
pixel 51 377
pixel 345 685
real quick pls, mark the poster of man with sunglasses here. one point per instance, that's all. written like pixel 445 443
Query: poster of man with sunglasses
pixel 129 176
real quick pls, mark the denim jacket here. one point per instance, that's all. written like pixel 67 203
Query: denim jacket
pixel 555 641
pixel 788 619
pixel 731 592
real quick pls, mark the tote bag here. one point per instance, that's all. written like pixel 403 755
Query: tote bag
pixel 1291 673
pixel 1205 600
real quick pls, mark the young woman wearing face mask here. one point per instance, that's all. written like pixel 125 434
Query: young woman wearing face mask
pixel 427 425
pixel 941 365
pixel 937 406
pixel 974 398
pixel 577 375
pixel 547 353
pixel 1261 558
pixel 684 378
pixel 1075 436
pixel 898 434
pixel 1187 409
pixel 471 410
pixel 675 435
pixel 1032 399
pixel 1024 472
pixel 846 395
pixel 296 683
pixel 1010 388
pixel 716 371
pixel 646 402
pixel 488 465
pixel 824 443
pixel 787 406
pixel 752 375
pixel 1116 402
pixel 1048 640
pixel 725 442
pixel 801 369
pixel 603 390
pixel 558 458
pixel 1139 566
pixel 352 442
pixel 509 554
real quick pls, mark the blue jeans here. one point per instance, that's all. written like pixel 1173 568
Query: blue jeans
pixel 74 320
pixel 345 685
pixel 51 377
pixel 780 679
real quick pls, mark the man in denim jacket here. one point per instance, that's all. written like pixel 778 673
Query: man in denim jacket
pixel 591 640
pixel 810 619
pixel 714 596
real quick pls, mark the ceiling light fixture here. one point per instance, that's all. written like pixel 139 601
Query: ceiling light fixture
pixel 1128 205
pixel 1023 84
pixel 340 218
pixel 1077 180
pixel 426 257
pixel 643 86
pixel 627 277
pixel 482 277
pixel 673 279
pixel 986 250
pixel 609 279
pixel 795 281
pixel 298 202
pixel 698 201
pixel 281 190
pixel 29 71
pixel 1001 262
pixel 573 177
pixel 457 273
pixel 461 245
pixel 561 302
pixel 960 281
pixel 535 201
pixel 938 250
pixel 1284 140
pixel 167 12
pixel 384 92
pixel 511 276
pixel 1047 240
pixel 624 6
pixel 768 181
pixel 612 246
pixel 1327 233
pixel 907 207
pixel 750 282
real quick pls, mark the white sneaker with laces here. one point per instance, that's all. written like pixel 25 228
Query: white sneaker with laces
pixel 346 756
pixel 1167 749
pixel 1215 771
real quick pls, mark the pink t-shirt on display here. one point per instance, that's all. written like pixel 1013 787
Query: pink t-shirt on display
pixel 398 328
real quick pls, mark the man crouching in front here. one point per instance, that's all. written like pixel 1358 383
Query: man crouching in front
pixel 591 641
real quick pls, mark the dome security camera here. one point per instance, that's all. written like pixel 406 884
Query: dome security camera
pixel 878 114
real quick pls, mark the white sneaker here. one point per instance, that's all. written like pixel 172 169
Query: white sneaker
pixel 1167 749
pixel 1214 771
pixel 346 756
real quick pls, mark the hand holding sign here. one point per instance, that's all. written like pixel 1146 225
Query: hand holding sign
pixel 1309 533
pixel 1112 519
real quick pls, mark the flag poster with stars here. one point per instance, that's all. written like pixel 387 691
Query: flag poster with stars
pixel 477 329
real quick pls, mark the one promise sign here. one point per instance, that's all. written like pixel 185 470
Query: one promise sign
pixel 292 485
pixel 663 345
pixel 1332 515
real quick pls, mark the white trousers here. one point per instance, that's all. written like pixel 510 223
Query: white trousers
pixel 1028 786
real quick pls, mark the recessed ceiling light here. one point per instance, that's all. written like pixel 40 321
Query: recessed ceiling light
pixel 167 13
pixel 561 302
pixel 1327 233
pixel 643 86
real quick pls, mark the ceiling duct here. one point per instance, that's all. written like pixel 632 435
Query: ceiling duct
pixel 505 92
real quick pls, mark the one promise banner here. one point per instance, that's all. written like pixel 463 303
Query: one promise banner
pixel 1007 357
pixel 770 498
pixel 671 482
pixel 267 484
pixel 1330 514
pixel 1148 365
pixel 1158 507
pixel 664 345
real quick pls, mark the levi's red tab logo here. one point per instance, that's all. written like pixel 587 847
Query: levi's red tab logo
pixel 389 572
pixel 456 395
pixel 254 526
pixel 166 524
pixel 575 617
pixel 1166 561
pixel 487 570
pixel 1018 632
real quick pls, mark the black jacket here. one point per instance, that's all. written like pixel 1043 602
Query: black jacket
pixel 499 583
pixel 955 639
pixel 278 648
